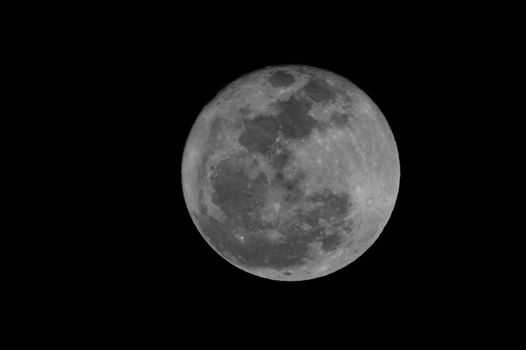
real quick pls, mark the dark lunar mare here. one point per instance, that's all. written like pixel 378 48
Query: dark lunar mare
pixel 281 78
pixel 292 121
pixel 293 118
pixel 319 91
pixel 241 199
pixel 259 134
pixel 257 251
pixel 238 196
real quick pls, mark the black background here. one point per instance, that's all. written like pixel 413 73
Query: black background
pixel 116 99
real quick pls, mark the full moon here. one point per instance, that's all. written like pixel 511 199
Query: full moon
pixel 290 173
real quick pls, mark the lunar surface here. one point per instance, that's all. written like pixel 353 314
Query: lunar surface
pixel 291 173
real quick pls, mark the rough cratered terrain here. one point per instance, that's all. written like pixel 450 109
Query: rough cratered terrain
pixel 291 173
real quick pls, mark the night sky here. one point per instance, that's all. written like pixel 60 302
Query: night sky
pixel 115 99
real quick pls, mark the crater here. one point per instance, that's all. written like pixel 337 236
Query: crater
pixel 281 79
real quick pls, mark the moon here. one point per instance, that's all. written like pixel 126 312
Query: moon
pixel 290 173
